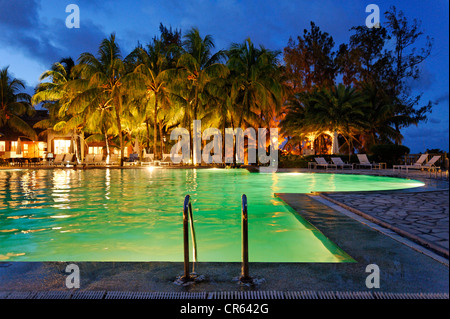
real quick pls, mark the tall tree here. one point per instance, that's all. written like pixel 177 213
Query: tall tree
pixel 310 60
pixel 14 104
pixel 197 66
pixel 255 82
pixel 388 59
pixel 104 83
pixel 406 60
pixel 53 93
pixel 151 70
pixel 339 109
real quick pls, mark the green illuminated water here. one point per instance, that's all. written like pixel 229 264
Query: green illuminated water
pixel 136 214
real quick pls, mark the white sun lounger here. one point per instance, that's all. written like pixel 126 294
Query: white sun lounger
pixel 148 159
pixel 166 160
pixel 89 159
pixel 339 163
pixel 59 159
pixel 431 163
pixel 417 165
pixel 98 159
pixel 320 161
pixel 114 159
pixel 364 162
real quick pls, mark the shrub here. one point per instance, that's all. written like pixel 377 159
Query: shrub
pixel 390 154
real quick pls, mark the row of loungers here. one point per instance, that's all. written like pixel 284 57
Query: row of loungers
pixel 338 163
pixel 99 160
pixel 420 163
pixel 64 159
pixel 148 159
pixel 365 163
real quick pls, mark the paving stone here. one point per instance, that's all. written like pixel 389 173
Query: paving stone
pixel 424 214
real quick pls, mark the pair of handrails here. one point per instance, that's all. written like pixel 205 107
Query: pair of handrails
pixel 188 222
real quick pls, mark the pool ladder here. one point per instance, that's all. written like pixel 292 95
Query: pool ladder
pixel 188 223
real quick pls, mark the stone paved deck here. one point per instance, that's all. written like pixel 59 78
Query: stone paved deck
pixel 422 214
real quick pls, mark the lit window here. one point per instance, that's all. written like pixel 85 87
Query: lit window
pixel 96 150
pixel 62 146
pixel 13 146
pixel 2 146
pixel 117 151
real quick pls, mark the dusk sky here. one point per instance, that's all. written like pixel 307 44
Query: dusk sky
pixel 34 35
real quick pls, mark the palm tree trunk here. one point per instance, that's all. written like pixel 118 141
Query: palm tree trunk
pixel 107 146
pixel 195 103
pixel 155 127
pixel 148 134
pixel 161 139
pixel 82 146
pixel 119 127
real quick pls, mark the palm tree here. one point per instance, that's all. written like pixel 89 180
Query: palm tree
pixel 102 84
pixel 55 96
pixel 338 109
pixel 256 87
pixel 14 104
pixel 197 66
pixel 152 71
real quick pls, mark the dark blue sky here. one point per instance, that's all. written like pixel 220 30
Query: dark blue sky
pixel 33 36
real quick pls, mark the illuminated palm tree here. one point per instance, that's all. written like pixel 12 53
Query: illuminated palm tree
pixel 152 73
pixel 14 104
pixel 199 65
pixel 256 87
pixel 55 96
pixel 340 109
pixel 196 67
pixel 102 84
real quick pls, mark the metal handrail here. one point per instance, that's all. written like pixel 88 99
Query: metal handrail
pixel 245 277
pixel 188 218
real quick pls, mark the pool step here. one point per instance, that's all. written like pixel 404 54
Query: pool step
pixel 253 294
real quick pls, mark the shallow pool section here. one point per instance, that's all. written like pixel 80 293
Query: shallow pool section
pixel 136 214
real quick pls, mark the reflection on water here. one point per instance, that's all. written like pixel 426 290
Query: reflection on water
pixel 136 215
pixel 61 188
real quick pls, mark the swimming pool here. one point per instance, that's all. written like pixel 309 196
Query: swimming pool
pixel 136 214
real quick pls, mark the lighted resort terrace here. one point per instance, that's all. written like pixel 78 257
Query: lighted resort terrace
pixel 175 169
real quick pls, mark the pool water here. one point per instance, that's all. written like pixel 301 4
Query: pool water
pixel 136 214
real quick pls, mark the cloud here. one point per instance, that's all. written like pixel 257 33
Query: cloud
pixel 19 14
pixel 418 139
pixel 434 121
pixel 442 98
pixel 46 42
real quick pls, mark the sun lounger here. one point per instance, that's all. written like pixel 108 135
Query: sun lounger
pixel 166 160
pixel 364 162
pixel 339 163
pixel 148 159
pixel 133 160
pixel 59 159
pixel 89 159
pixel 98 159
pixel 320 161
pixel 417 165
pixel 70 159
pixel 431 163
pixel 114 159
